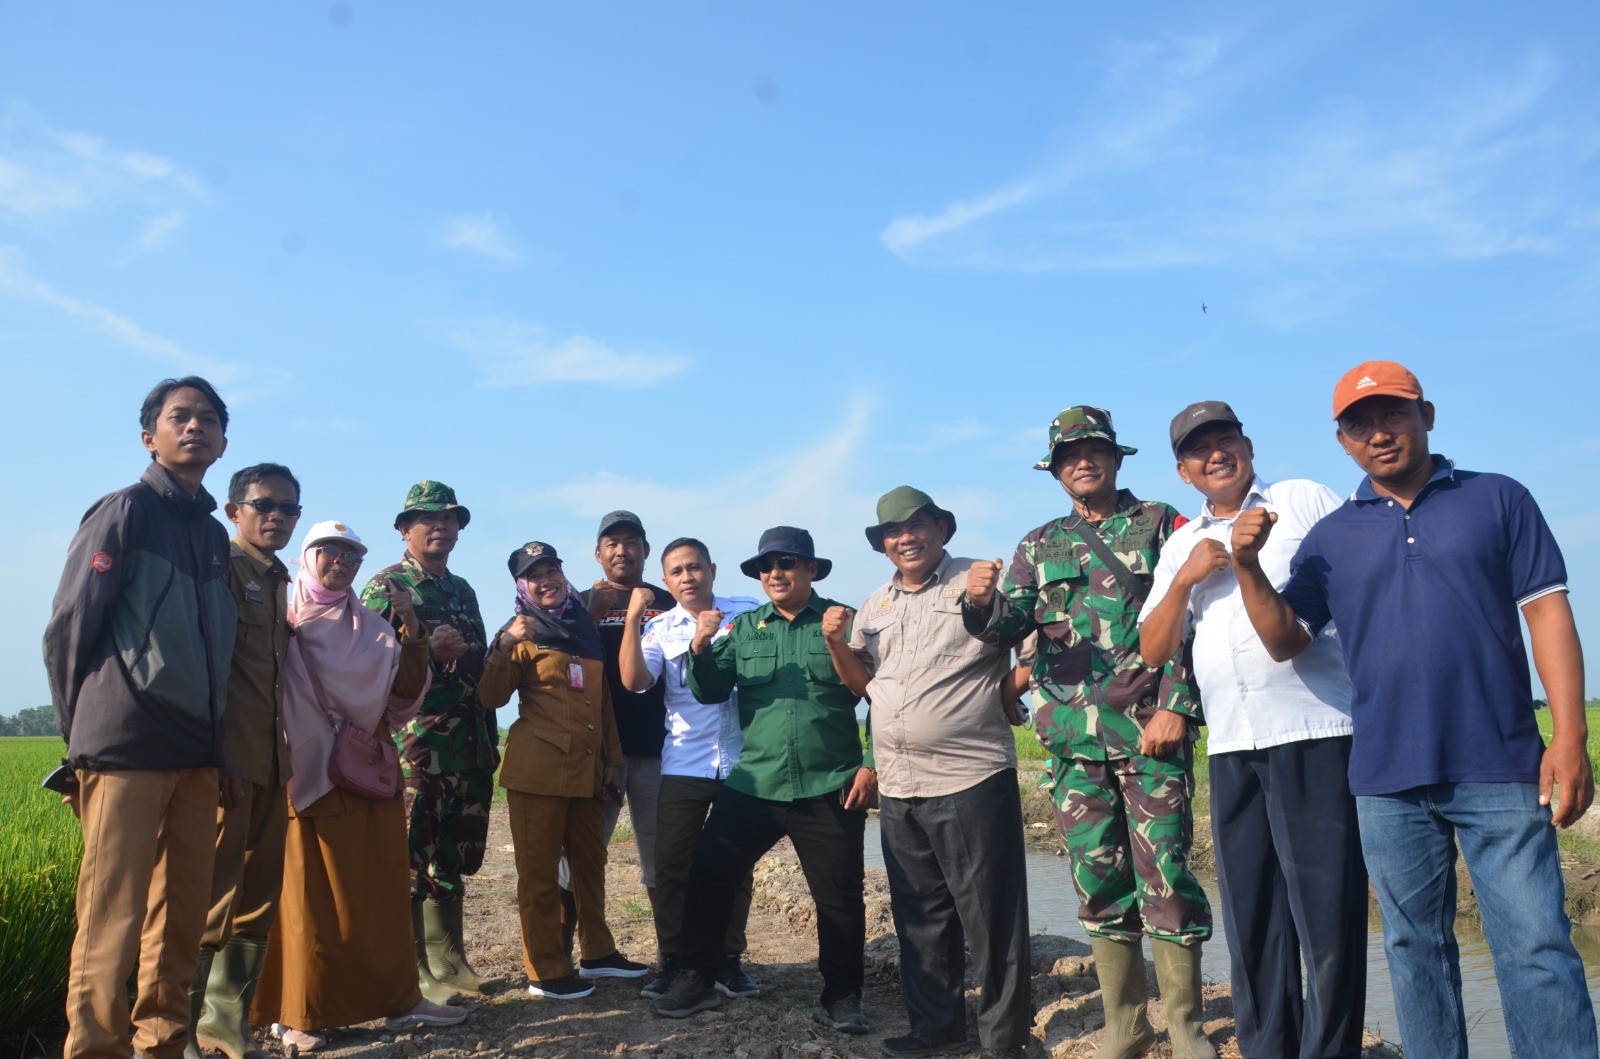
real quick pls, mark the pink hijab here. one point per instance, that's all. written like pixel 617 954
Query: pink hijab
pixel 339 669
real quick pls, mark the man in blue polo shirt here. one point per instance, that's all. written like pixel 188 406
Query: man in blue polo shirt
pixel 1424 570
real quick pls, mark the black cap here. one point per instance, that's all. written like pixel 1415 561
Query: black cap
pixel 619 518
pixel 786 540
pixel 523 558
pixel 1197 415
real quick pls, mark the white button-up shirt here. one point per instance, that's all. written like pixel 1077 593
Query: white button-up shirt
pixel 1250 701
pixel 702 741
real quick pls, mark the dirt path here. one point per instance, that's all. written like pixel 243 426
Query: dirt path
pixel 782 1022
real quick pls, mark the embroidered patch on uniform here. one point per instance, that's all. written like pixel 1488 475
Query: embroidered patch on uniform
pixel 884 602
pixel 101 563
pixel 761 625
pixel 1180 522
pixel 949 593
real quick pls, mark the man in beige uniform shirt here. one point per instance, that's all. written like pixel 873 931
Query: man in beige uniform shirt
pixel 264 506
pixel 951 816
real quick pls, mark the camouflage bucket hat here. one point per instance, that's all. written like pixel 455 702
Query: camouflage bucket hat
pixel 899 504
pixel 1079 422
pixel 432 496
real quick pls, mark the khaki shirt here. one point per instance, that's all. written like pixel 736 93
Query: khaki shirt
pixel 938 726
pixel 564 736
pixel 254 719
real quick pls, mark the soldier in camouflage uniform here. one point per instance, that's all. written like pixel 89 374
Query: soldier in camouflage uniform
pixel 449 751
pixel 1120 733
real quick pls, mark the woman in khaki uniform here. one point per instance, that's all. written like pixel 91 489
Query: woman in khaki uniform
pixel 560 759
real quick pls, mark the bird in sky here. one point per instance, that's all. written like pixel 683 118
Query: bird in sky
pixel 1203 308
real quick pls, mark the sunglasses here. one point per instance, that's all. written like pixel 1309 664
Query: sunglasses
pixel 267 507
pixel 786 563
pixel 336 552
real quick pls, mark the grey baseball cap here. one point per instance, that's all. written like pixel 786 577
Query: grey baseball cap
pixel 1200 414
pixel 619 518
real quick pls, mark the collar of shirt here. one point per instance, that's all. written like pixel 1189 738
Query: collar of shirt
pixel 769 610
pixel 266 563
pixel 1443 470
pixel 675 627
pixel 940 574
pixel 1259 487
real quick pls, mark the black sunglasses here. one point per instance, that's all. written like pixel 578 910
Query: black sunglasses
pixel 267 507
pixel 765 564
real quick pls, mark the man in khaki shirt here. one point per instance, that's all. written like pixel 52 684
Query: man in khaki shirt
pixel 951 814
pixel 264 506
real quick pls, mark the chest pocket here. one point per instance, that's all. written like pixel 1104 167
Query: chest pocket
pixel 757 661
pixel 819 664
pixel 1059 582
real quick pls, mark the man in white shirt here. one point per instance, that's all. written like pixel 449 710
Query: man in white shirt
pixel 1294 886
pixel 702 746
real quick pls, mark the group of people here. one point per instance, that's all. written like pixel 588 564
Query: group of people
pixel 1360 663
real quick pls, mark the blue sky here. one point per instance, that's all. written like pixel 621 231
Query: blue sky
pixel 733 265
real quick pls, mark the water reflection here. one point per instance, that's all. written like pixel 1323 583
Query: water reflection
pixel 1052 908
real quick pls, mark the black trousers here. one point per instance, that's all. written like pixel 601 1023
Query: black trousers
pixel 1294 887
pixel 681 811
pixel 957 878
pixel 739 832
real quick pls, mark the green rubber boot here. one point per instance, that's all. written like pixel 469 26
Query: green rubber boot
pixel 1120 967
pixel 1178 974
pixel 433 990
pixel 197 1000
pixel 447 949
pixel 224 1025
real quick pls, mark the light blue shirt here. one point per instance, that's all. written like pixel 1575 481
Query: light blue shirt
pixel 1250 701
pixel 702 741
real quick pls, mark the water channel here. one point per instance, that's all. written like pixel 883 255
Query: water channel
pixel 1053 909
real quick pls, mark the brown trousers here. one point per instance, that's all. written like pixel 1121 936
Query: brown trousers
pixel 249 871
pixel 143 886
pixel 540 826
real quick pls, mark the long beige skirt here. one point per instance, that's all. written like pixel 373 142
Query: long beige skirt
pixel 341 949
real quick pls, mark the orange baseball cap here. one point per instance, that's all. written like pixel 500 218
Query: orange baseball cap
pixel 1375 378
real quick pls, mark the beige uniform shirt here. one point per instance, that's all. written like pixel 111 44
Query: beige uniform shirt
pixel 254 718
pixel 937 722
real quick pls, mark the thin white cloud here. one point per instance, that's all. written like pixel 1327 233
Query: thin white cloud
pixel 1479 166
pixel 512 354
pixel 47 174
pixel 159 232
pixel 482 234
pixel 942 435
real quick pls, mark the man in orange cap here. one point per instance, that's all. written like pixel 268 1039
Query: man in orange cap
pixel 1424 570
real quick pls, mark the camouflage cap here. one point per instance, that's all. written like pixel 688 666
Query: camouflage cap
pixel 432 496
pixel 1079 422
pixel 899 504
pixel 523 559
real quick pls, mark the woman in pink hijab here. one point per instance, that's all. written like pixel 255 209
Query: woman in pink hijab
pixel 341 950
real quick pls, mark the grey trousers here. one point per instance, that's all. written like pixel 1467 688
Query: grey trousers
pixel 957 878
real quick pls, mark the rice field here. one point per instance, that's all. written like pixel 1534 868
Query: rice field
pixel 40 847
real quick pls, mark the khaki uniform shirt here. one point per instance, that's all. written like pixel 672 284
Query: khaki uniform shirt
pixel 254 740
pixel 938 726
pixel 565 735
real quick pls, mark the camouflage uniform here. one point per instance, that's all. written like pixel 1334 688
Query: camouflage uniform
pixel 450 750
pixel 1126 817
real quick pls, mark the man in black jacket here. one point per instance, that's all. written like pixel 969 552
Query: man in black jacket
pixel 138 647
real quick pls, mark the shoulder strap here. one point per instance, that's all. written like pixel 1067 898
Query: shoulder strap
pixel 1126 578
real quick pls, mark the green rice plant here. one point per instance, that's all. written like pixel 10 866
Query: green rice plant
pixel 40 847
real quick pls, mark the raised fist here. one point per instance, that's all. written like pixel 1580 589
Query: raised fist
pixel 982 578
pixel 1206 558
pixel 640 600
pixel 836 624
pixel 1251 527
pixel 705 627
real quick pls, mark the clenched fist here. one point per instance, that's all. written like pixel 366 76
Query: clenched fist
pixel 836 625
pixel 640 600
pixel 705 627
pixel 522 628
pixel 982 578
pixel 447 645
pixel 1251 527
pixel 1207 557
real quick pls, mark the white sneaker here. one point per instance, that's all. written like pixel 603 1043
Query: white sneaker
pixel 301 1040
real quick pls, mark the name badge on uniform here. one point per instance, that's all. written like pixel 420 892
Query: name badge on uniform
pixel 575 675
pixel 252 593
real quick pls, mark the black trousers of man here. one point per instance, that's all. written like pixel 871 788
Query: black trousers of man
pixel 957 877
pixel 827 837
pixel 1294 886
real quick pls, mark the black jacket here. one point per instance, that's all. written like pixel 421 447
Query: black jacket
pixel 141 631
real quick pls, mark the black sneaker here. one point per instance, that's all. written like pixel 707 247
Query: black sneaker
pixel 567 987
pixel 658 986
pixel 733 982
pixel 689 993
pixel 917 1044
pixel 846 1016
pixel 614 966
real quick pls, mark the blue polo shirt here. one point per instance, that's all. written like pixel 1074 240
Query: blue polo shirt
pixel 1426 602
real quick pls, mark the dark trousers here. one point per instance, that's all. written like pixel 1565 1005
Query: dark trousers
pixel 957 878
pixel 827 837
pixel 681 809
pixel 1293 886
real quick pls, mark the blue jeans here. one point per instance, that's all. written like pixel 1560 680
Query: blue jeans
pixel 1409 840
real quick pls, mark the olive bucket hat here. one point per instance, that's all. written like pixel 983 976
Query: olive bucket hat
pixel 1079 422
pixel 432 496
pixel 899 504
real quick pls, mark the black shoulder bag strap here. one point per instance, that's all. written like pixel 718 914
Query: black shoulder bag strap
pixel 1132 587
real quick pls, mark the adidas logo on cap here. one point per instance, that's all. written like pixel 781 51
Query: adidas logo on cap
pixel 1366 380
